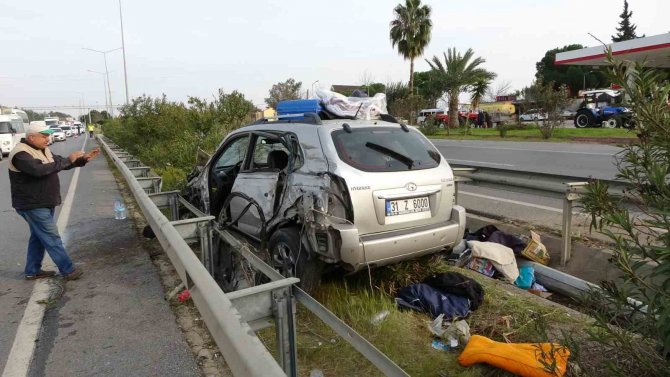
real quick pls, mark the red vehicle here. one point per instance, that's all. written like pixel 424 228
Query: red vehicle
pixel 443 118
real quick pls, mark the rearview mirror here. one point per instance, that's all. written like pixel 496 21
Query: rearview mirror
pixel 201 157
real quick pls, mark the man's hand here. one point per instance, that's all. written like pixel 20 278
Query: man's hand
pixel 75 155
pixel 92 154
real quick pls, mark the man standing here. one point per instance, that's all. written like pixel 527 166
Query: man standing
pixel 33 176
pixel 90 127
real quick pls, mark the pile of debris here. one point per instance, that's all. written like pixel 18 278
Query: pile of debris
pixel 450 297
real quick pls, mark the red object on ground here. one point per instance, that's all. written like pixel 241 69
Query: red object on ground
pixel 184 295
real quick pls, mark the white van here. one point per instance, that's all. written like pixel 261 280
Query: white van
pixel 12 131
pixel 423 114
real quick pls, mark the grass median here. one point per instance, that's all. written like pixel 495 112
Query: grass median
pixel 507 315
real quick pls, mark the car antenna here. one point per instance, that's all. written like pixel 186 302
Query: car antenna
pixel 359 109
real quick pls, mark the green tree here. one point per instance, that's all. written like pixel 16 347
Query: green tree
pixel 287 90
pixel 427 84
pixel 410 32
pixel 639 233
pixel 626 29
pixel 550 101
pixel 395 92
pixel 478 91
pixel 34 115
pixel 375 87
pixel 575 77
pixel 458 74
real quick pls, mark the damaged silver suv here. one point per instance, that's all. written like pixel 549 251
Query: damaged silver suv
pixel 349 192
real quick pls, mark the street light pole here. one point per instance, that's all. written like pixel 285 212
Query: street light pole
pixel 104 83
pixel 123 48
pixel 109 88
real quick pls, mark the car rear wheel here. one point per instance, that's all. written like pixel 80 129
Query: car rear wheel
pixel 291 258
pixel 584 119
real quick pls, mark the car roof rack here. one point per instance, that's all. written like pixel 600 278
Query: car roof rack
pixel 310 118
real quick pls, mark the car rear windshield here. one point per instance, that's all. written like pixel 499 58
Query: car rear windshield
pixel 385 149
pixel 5 128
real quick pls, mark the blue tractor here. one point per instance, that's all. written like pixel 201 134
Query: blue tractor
pixel 603 108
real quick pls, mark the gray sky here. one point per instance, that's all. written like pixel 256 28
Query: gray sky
pixel 184 48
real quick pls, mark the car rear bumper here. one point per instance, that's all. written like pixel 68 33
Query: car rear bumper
pixel 358 252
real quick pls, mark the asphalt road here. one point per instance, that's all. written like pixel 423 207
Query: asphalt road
pixel 571 159
pixel 114 320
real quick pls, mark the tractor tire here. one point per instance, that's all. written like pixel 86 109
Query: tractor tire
pixel 584 119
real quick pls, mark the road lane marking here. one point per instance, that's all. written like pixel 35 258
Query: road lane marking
pixel 23 348
pixel 478 162
pixel 526 204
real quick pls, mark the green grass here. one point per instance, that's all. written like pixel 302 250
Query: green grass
pixel 404 336
pixel 532 133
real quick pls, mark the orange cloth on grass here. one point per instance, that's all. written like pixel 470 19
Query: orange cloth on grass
pixel 523 359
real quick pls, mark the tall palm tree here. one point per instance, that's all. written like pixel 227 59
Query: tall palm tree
pixel 478 91
pixel 457 74
pixel 410 31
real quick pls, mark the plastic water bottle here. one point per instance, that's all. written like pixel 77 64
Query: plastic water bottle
pixel 439 345
pixel 119 210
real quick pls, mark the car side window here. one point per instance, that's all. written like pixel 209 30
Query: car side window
pixel 269 153
pixel 234 153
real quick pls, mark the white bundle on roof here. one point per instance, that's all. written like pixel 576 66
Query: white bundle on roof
pixel 362 108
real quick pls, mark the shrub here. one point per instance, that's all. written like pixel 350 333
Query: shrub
pixel 166 135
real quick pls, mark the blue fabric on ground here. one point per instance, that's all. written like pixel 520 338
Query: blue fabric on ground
pixel 424 298
pixel 526 277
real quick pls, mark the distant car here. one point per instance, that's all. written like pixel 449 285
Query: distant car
pixel 533 114
pixel 68 130
pixel 59 134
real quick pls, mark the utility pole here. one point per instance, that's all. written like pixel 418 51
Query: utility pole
pixel 123 48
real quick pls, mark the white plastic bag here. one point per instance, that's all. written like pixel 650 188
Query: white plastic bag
pixel 362 108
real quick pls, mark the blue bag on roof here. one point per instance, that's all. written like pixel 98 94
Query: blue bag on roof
pixel 424 298
pixel 298 107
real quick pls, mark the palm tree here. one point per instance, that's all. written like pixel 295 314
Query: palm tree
pixel 410 31
pixel 457 74
pixel 478 91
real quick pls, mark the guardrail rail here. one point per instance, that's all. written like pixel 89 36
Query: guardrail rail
pixel 232 318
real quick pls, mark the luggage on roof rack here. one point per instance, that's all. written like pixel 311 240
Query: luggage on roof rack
pixel 298 107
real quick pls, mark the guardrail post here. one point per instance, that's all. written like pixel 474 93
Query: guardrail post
pixel 284 309
pixel 174 207
pixel 571 194
pixel 206 234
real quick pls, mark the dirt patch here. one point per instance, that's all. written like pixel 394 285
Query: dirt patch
pixel 207 354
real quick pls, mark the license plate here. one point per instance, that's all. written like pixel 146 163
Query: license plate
pixel 407 206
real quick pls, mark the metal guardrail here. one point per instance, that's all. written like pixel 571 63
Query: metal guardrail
pixel 232 317
pixel 568 188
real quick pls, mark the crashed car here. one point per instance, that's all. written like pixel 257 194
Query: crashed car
pixel 353 193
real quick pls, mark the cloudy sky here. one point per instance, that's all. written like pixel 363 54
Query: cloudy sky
pixel 193 48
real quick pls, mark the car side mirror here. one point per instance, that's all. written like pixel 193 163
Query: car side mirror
pixel 12 130
pixel 201 157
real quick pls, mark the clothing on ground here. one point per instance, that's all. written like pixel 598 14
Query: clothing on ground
pixel 424 298
pixel 501 256
pixel 513 242
pixel 458 284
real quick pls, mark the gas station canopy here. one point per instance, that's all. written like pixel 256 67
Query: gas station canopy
pixel 654 50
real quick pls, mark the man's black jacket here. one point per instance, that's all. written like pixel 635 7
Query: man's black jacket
pixel 36 185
